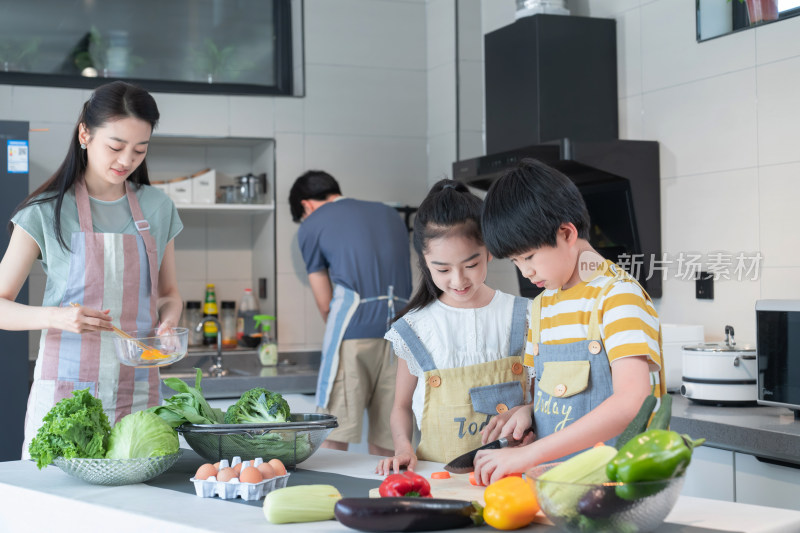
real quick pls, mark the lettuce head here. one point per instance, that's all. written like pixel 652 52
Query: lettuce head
pixel 141 434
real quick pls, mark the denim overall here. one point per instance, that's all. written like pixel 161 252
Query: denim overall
pixel 460 401
pixel 571 379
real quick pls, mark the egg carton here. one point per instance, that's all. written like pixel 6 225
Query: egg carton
pixel 228 490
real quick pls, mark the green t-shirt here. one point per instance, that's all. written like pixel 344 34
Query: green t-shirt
pixel 107 217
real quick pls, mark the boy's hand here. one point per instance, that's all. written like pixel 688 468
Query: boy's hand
pixel 492 465
pixel 513 422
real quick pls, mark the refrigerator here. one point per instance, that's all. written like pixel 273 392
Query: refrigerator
pixel 14 384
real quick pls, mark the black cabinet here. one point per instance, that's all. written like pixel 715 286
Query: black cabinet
pixel 550 77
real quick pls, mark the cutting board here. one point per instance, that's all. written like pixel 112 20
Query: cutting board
pixel 457 487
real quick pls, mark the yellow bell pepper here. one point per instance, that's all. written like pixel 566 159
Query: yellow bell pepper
pixel 510 503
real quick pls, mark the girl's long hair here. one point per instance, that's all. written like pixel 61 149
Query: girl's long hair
pixel 108 103
pixel 448 209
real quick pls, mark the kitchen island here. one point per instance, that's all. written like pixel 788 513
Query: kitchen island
pixel 50 500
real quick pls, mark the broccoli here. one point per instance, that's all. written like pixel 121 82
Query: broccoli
pixel 258 406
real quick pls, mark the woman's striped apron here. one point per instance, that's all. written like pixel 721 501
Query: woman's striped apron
pixel 112 271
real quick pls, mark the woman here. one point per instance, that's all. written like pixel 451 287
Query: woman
pixel 105 240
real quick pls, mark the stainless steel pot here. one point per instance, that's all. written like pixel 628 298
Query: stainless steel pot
pixel 720 374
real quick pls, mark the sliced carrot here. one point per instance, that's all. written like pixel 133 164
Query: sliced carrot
pixel 472 480
pixel 440 475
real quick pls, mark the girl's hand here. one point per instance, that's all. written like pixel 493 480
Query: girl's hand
pixel 80 319
pixel 386 466
pixel 513 422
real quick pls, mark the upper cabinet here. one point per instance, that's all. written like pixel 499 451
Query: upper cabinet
pixel 720 17
pixel 182 46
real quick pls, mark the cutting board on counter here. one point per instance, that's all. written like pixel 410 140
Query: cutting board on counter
pixel 457 487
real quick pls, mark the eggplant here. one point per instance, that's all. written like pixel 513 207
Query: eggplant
pixel 407 514
pixel 601 502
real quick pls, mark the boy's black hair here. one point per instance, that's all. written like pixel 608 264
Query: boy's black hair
pixel 525 207
pixel 448 209
pixel 313 185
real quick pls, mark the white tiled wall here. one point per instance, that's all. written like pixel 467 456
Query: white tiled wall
pixel 364 119
pixel 725 113
pixel 383 78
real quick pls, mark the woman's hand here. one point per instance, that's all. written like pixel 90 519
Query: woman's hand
pixel 166 328
pixel 80 319
pixel 392 464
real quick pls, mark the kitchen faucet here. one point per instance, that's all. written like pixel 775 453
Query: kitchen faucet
pixel 215 369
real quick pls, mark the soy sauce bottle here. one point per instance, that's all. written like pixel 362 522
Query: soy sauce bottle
pixel 210 309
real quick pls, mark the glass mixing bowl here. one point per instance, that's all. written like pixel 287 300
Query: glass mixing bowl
pixel 143 348
pixel 605 507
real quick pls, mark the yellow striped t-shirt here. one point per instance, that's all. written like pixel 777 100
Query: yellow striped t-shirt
pixel 628 320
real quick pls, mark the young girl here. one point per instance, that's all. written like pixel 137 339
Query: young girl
pixel 459 342
pixel 105 241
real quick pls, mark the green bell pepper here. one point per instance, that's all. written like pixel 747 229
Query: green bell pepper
pixel 655 455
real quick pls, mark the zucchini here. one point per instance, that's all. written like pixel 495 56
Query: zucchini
pixel 663 414
pixel 639 422
pixel 407 514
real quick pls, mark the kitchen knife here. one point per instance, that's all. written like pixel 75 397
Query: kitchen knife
pixel 464 463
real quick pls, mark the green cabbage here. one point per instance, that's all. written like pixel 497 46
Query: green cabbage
pixel 141 434
pixel 74 427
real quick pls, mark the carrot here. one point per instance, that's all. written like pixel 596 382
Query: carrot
pixel 440 475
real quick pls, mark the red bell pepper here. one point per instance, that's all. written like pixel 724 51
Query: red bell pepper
pixel 405 484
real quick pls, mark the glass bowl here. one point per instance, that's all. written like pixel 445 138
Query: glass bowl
pixel 292 442
pixel 607 507
pixel 114 472
pixel 143 348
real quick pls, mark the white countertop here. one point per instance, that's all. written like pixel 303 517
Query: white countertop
pixel 49 500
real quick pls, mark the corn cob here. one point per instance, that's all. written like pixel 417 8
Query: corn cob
pixel 303 503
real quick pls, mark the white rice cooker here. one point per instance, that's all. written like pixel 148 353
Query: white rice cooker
pixel 720 374
pixel 673 338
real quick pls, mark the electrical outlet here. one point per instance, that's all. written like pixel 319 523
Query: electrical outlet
pixel 704 286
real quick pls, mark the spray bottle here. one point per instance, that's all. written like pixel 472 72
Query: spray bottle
pixel 267 350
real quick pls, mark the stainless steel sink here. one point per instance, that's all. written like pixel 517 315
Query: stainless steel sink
pixel 296 372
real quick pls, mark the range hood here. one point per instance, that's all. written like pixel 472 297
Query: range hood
pixel 619 182
pixel 551 95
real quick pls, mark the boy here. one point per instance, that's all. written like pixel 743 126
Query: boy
pixel 594 335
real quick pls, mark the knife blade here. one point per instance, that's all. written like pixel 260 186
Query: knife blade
pixel 464 463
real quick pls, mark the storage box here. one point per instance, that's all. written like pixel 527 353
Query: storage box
pixel 204 187
pixel 180 190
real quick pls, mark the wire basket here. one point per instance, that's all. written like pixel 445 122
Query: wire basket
pixel 292 442
pixel 117 471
